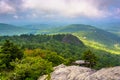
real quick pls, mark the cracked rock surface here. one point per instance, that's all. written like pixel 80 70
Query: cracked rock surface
pixel 63 72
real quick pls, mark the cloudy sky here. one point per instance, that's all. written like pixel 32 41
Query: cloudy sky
pixel 75 11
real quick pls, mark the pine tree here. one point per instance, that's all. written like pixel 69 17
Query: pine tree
pixel 9 52
pixel 90 58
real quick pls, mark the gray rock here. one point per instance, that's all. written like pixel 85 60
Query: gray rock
pixel 70 73
pixel 106 74
pixel 63 72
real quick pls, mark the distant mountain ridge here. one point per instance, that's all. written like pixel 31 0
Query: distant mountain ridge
pixel 8 29
pixel 41 26
pixel 111 27
pixel 76 28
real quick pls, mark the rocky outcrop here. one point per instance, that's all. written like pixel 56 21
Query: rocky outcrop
pixel 106 74
pixel 63 72
pixel 71 39
pixel 71 73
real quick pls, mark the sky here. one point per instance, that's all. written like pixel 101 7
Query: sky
pixel 59 11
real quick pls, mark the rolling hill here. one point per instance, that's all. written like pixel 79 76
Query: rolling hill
pixel 38 26
pixel 91 36
pixel 114 29
pixel 7 29
pixel 89 32
pixel 111 27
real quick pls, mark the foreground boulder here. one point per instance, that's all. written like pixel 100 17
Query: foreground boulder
pixel 63 72
pixel 106 74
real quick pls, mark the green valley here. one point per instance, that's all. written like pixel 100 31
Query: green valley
pixel 91 36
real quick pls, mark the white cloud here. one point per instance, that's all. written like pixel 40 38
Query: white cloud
pixel 6 8
pixel 116 13
pixel 67 8
pixel 15 16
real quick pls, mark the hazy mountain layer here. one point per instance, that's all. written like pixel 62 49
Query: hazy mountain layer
pixel 7 29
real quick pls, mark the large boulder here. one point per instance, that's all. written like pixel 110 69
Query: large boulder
pixel 71 73
pixel 63 72
pixel 106 74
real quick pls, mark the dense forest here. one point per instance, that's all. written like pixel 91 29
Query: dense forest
pixel 26 57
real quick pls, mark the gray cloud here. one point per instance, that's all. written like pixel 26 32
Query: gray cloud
pixel 10 6
pixel 61 8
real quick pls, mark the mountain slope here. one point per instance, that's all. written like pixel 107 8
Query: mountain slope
pixel 91 33
pixel 111 27
pixel 7 29
pixel 114 29
pixel 62 44
pixel 92 36
pixel 95 37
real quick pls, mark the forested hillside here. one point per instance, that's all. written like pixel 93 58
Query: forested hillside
pixel 91 36
pixel 59 43
pixel 22 57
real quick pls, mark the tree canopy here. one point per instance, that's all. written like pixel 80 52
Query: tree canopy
pixel 9 52
pixel 89 57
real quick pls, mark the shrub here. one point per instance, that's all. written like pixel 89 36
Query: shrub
pixel 30 68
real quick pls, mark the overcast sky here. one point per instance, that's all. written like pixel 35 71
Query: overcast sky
pixel 59 10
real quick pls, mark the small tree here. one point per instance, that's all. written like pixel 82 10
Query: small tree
pixel 9 52
pixel 88 56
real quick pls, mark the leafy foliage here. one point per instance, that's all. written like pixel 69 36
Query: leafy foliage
pixel 48 42
pixel 89 57
pixel 47 55
pixel 9 52
pixel 30 68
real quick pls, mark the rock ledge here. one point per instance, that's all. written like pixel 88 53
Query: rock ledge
pixel 63 72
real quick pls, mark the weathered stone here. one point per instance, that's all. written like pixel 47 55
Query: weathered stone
pixel 106 74
pixel 63 72
pixel 69 73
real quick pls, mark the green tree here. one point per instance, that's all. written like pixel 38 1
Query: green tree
pixel 55 59
pixel 9 52
pixel 90 58
pixel 30 68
